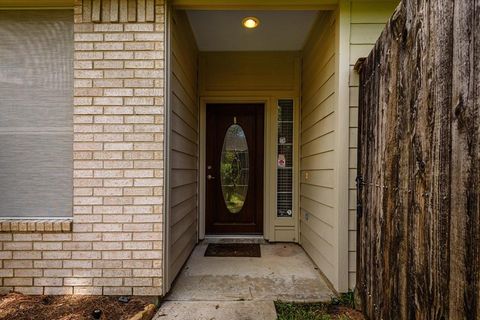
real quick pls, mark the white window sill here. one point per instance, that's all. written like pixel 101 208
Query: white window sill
pixel 35 225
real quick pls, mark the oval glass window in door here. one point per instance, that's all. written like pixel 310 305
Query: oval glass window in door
pixel 234 171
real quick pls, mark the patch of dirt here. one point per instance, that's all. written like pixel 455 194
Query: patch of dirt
pixel 16 306
pixel 284 251
pixel 349 313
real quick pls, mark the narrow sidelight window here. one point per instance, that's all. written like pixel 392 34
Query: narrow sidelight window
pixel 285 159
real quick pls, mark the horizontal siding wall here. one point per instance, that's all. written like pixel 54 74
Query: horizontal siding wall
pixel 368 20
pixel 184 137
pixel 317 143
pixel 247 73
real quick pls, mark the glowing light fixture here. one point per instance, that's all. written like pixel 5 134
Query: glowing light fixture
pixel 250 22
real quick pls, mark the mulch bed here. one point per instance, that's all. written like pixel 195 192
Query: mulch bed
pixel 16 306
pixel 350 313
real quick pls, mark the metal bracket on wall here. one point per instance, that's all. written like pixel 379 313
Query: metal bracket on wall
pixel 360 183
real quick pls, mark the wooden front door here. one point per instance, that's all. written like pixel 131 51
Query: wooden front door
pixel 234 169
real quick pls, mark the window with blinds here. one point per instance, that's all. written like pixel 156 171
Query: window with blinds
pixel 36 103
pixel 285 159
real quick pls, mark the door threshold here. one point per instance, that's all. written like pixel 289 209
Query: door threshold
pixel 234 239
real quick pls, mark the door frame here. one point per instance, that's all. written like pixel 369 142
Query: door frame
pixel 268 170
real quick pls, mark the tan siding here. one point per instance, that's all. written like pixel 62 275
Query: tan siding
pixel 367 22
pixel 317 156
pixel 183 145
pixel 256 71
pixel 373 11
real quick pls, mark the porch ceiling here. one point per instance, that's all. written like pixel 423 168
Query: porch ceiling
pixel 256 4
pixel 217 30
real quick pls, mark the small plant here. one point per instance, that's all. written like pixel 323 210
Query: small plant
pixel 345 299
pixel 316 311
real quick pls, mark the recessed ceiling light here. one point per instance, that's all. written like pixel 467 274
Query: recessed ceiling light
pixel 250 22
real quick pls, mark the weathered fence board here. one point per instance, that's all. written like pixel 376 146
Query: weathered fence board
pixel 419 165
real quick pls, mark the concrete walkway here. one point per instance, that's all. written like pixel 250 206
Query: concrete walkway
pixel 243 288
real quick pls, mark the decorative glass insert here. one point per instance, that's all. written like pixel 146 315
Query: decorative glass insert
pixel 285 159
pixel 234 169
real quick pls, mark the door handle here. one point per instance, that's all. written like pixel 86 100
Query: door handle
pixel 210 177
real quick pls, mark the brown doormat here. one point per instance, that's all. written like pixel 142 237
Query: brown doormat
pixel 233 250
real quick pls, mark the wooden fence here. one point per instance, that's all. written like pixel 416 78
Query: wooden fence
pixel 419 160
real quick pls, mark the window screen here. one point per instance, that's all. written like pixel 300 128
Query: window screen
pixel 36 101
pixel 285 159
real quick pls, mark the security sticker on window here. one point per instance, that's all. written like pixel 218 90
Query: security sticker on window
pixel 281 161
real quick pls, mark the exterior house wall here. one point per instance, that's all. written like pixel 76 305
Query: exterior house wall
pixel 330 98
pixel 183 144
pixel 368 20
pixel 115 246
pixel 317 142
pixel 116 242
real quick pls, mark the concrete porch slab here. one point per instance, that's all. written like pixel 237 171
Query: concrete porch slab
pixel 237 288
pixel 223 310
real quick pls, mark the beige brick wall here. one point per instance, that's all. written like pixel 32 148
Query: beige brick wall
pixel 115 246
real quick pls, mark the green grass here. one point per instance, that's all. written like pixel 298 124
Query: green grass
pixel 314 311
pixel 345 299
